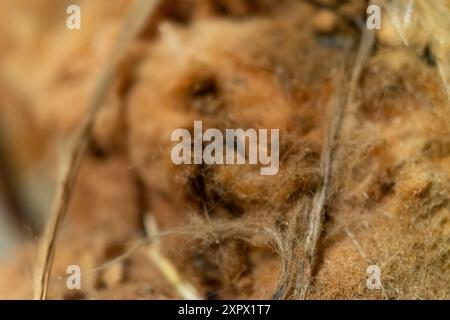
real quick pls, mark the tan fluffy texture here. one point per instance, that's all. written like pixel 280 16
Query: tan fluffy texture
pixel 241 64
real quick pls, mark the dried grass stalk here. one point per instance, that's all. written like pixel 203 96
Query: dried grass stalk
pixel 165 266
pixel 138 15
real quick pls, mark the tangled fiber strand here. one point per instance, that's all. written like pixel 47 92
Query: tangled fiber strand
pixel 133 23
pixel 255 233
pixel 296 275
